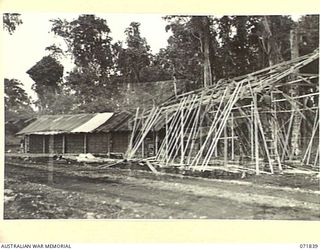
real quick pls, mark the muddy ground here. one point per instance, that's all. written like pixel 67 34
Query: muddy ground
pixel 61 190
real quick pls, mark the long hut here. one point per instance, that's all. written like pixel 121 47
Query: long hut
pixel 100 133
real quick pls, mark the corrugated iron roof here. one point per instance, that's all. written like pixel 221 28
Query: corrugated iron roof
pixel 93 123
pixel 118 122
pixel 49 124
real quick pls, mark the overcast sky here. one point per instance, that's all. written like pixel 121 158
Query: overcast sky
pixel 27 44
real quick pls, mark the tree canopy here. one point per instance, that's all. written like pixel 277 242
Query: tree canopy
pixel 136 57
pixel 88 41
pixel 201 49
pixel 47 76
pixel 11 21
pixel 17 102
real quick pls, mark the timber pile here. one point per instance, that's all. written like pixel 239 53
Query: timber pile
pixel 228 122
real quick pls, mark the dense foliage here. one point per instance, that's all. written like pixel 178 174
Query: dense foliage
pixel 16 101
pixel 200 49
pixel 47 75
pixel 11 21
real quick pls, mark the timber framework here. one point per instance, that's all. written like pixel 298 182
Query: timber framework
pixel 263 122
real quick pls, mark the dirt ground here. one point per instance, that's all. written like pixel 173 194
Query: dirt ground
pixel 76 191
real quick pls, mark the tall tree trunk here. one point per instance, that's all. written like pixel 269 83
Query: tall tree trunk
pixel 270 44
pixel 205 37
pixel 272 50
pixel 297 119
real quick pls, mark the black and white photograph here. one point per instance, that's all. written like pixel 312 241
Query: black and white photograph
pixel 161 116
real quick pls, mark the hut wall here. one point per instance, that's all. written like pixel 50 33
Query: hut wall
pixel 98 143
pixel 116 142
pixel 74 143
pixel 119 142
pixel 35 144
pixel 57 144
pixel 26 148
pixel 46 142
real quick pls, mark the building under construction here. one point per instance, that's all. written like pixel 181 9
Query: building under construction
pixel 263 122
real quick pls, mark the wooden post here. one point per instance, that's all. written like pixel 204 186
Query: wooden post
pixel 182 137
pixel 311 140
pixel 286 143
pixel 232 137
pixel 166 139
pixel 256 137
pixel 109 143
pixel 275 130
pixel 44 144
pixel 309 148
pixel 50 162
pixel 51 144
pixel 26 143
pixel 252 135
pixel 225 140
pixel 85 143
pixel 200 139
pixel 316 158
pixel 63 144
pixel 216 148
pixel 142 143
pixel 156 142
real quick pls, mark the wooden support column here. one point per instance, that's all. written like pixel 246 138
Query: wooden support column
pixel 50 162
pixel 216 148
pixel 51 144
pixel 275 130
pixel 156 142
pixel 309 148
pixel 44 144
pixel 273 124
pixel 225 140
pixel 85 143
pixel 109 143
pixel 166 139
pixel 232 137
pixel 182 137
pixel 317 158
pixel 200 140
pixel 252 136
pixel 63 144
pixel 286 143
pixel 256 137
pixel 26 143
pixel 142 143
